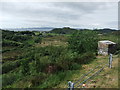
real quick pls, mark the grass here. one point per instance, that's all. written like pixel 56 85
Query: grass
pixel 56 79
pixel 11 55
pixel 108 78
pixel 110 37
pixel 55 41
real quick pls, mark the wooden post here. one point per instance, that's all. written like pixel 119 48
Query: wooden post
pixel 110 61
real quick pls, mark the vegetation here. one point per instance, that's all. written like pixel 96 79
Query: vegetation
pixel 83 41
pixel 45 59
pixel 65 30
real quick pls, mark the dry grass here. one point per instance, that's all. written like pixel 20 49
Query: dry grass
pixel 55 41
pixel 108 78
pixel 11 55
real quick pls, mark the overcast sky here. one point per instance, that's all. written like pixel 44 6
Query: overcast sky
pixel 59 14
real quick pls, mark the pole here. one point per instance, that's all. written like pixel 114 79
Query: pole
pixel 110 60
pixel 70 85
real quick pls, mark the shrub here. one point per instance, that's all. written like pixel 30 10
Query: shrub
pixel 53 80
pixel 83 41
pixel 25 70
pixel 8 66
pixel 75 66
pixel 38 40
pixel 85 58
pixel 66 59
pixel 10 78
pixel 20 38
pixel 10 43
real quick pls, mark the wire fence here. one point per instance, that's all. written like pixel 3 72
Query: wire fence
pixel 81 81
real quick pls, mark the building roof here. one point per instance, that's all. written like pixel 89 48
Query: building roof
pixel 107 42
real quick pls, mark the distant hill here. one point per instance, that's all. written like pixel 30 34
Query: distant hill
pixel 105 30
pixel 65 30
pixel 68 30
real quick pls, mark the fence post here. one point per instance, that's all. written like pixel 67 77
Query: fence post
pixel 110 60
pixel 70 85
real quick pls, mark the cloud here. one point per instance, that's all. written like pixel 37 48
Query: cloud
pixel 58 14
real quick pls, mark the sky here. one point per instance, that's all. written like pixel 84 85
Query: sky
pixel 59 14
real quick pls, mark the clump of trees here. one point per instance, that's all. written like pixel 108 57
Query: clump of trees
pixel 20 38
pixel 83 41
pixel 27 33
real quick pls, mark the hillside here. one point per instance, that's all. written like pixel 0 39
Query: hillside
pixel 33 59
pixel 65 30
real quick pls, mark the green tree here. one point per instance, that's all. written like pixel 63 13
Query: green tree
pixel 38 40
pixel 83 41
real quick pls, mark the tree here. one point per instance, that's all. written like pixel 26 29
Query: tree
pixel 83 41
pixel 38 40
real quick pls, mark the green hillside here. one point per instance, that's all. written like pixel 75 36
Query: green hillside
pixel 33 59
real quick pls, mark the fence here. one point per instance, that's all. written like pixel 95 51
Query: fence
pixel 71 85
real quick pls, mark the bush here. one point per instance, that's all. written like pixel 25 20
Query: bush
pixel 83 41
pixel 20 38
pixel 8 66
pixel 38 40
pixel 85 58
pixel 75 66
pixel 53 80
pixel 26 33
pixel 25 70
pixel 10 43
pixel 58 58
pixel 10 78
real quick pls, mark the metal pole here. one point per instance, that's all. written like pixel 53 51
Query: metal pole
pixel 72 86
pixel 110 61
pixel 69 85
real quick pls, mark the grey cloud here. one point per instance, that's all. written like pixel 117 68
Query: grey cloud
pixel 53 13
pixel 87 7
pixel 29 9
